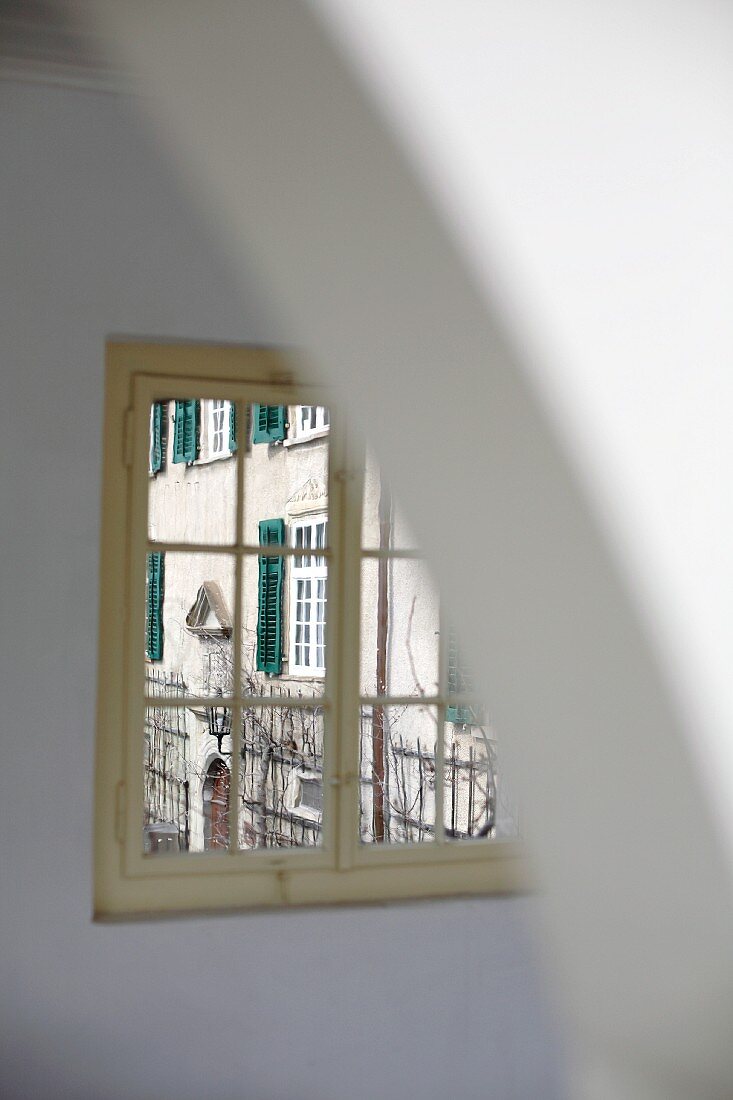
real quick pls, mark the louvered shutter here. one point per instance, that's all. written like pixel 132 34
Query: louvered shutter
pixel 156 438
pixel 154 607
pixel 269 616
pixel 185 431
pixel 269 423
pixel 232 427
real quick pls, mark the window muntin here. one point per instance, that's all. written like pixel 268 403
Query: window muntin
pixel 298 872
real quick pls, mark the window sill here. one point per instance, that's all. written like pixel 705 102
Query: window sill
pixel 211 458
pixel 320 433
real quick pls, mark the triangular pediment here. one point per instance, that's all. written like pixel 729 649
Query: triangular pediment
pixel 311 497
pixel 209 614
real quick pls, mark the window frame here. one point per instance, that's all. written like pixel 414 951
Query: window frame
pixel 131 884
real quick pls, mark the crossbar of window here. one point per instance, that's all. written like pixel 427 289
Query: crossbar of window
pixel 273 702
pixel 234 549
pixel 419 700
pixel 386 552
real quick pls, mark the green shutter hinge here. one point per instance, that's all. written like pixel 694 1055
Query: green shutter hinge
pixel 128 438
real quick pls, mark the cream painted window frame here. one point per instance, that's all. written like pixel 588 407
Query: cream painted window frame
pixel 127 883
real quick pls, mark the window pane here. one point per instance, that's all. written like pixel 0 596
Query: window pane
pixel 192 484
pixel 189 616
pixel 476 800
pixel 399 628
pixel 284 626
pixel 281 777
pixel 186 781
pixel 166 758
pixel 384 523
pixel 283 479
pixel 397 774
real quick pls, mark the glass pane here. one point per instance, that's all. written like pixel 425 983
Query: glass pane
pixel 168 761
pixel 399 628
pixel 470 771
pixel 476 801
pixel 186 794
pixel 384 523
pixel 192 487
pixel 189 610
pixel 397 774
pixel 281 777
pixel 285 470
pixel 285 618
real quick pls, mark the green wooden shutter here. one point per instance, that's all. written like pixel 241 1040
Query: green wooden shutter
pixel 232 427
pixel 156 438
pixel 186 431
pixel 154 607
pixel 269 423
pixel 269 615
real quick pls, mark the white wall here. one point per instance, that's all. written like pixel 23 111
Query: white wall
pixel 598 676
pixel 430 999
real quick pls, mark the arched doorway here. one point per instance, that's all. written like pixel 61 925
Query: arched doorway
pixel 216 806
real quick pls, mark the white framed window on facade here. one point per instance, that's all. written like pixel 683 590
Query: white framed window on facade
pixel 219 412
pixel 308 597
pixel 296 741
pixel 308 422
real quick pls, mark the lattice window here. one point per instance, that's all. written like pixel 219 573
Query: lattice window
pixel 315 760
